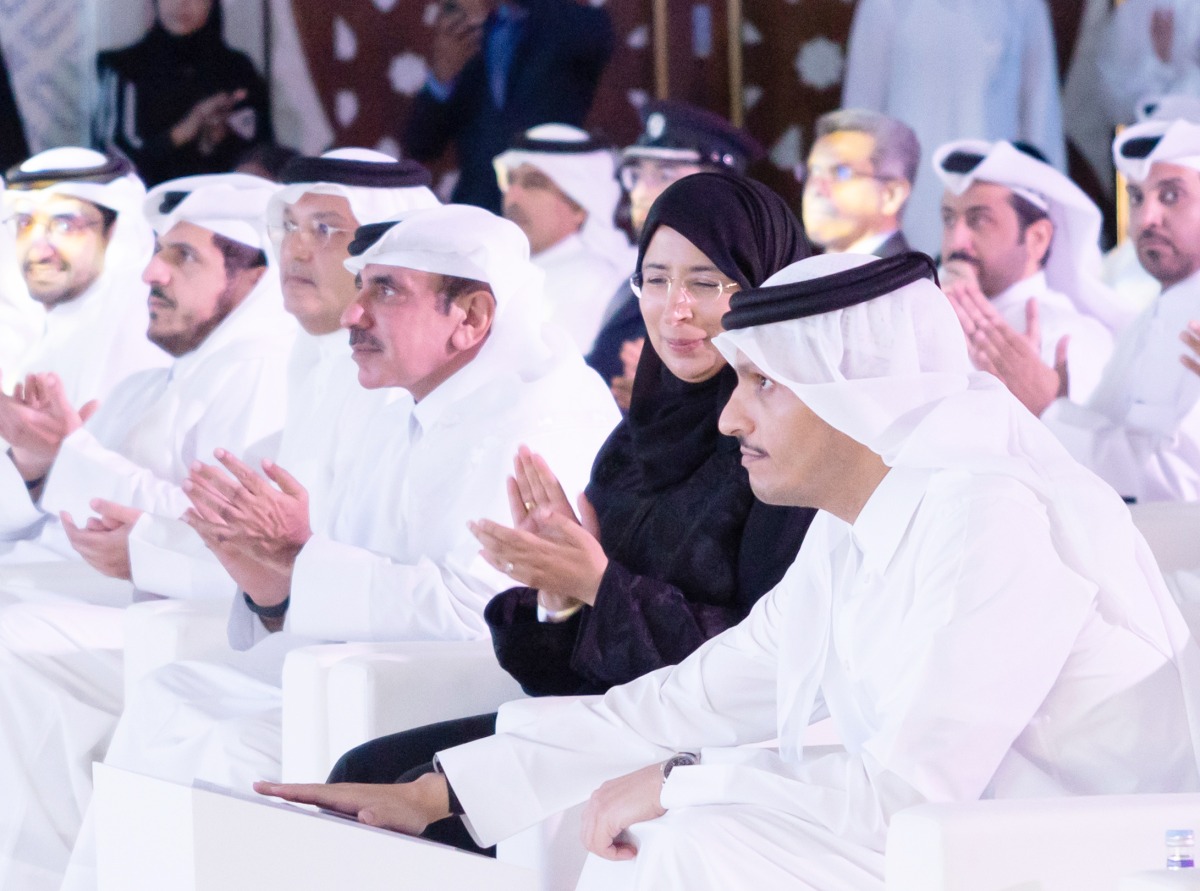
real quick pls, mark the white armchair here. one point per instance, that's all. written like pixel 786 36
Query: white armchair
pixel 1172 529
pixel 337 696
pixel 158 632
pixel 1088 843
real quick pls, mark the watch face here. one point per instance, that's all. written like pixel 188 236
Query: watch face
pixel 684 759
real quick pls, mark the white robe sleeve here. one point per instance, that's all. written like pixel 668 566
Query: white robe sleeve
pixel 343 592
pixel 995 627
pixel 1139 463
pixel 1088 353
pixel 723 694
pixel 18 514
pixel 169 559
pixel 86 469
pixel 868 58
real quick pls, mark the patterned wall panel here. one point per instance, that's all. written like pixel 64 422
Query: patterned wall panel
pixel 48 48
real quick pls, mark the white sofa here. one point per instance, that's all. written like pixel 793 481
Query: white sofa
pixel 339 695
pixel 1089 843
pixel 335 696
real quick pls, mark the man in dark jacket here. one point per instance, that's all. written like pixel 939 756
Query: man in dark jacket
pixel 497 69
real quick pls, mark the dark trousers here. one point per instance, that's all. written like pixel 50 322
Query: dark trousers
pixel 402 757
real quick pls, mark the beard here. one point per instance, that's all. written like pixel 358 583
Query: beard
pixel 191 332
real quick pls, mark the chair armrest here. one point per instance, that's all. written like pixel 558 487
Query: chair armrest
pixel 1054 844
pixel 158 632
pixel 337 696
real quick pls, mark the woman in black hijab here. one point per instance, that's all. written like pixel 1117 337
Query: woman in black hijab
pixel 683 549
pixel 689 550
pixel 180 101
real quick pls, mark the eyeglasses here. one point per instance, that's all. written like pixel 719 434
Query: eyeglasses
pixel 70 225
pixel 657 286
pixel 319 233
pixel 662 174
pixel 838 173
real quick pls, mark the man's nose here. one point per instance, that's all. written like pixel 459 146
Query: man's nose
pixel 353 315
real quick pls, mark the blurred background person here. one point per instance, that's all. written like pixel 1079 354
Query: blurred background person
pixel 857 180
pixel 180 101
pixel 956 69
pixel 495 70
pixel 560 188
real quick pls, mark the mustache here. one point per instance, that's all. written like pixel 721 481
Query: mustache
pixel 157 292
pixel 54 261
pixel 962 258
pixel 1153 235
pixel 748 447
pixel 359 337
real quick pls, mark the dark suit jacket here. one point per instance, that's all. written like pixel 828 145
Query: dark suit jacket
pixel 624 324
pixel 896 244
pixel 560 54
pixel 13 148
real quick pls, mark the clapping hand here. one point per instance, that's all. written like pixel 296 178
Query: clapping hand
pixel 549 548
pixel 1191 337
pixel 35 420
pixel 269 520
pixel 996 347
pixel 103 541
pixel 254 528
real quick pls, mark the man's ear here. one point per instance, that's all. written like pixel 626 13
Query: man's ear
pixel 251 276
pixel 478 310
pixel 895 193
pixel 1038 236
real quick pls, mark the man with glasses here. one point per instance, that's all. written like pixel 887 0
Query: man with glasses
pixel 214 306
pixel 559 188
pixel 443 313
pixel 857 180
pixel 80 243
pixel 1020 244
pixel 311 222
pixel 677 139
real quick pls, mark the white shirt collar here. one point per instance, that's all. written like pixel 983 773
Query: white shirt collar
pixel 560 250
pixel 438 406
pixel 1018 294
pixel 885 518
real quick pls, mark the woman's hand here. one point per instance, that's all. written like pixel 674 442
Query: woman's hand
pixel 533 485
pixel 207 117
pixel 548 551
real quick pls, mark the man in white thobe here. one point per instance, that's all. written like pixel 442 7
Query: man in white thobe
pixel 954 69
pixel 215 305
pixel 559 185
pixel 1121 269
pixel 1140 431
pixel 215 309
pixel 857 180
pixel 1020 238
pixel 64 661
pixel 446 311
pixel 973 609
pixel 311 222
pixel 81 243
